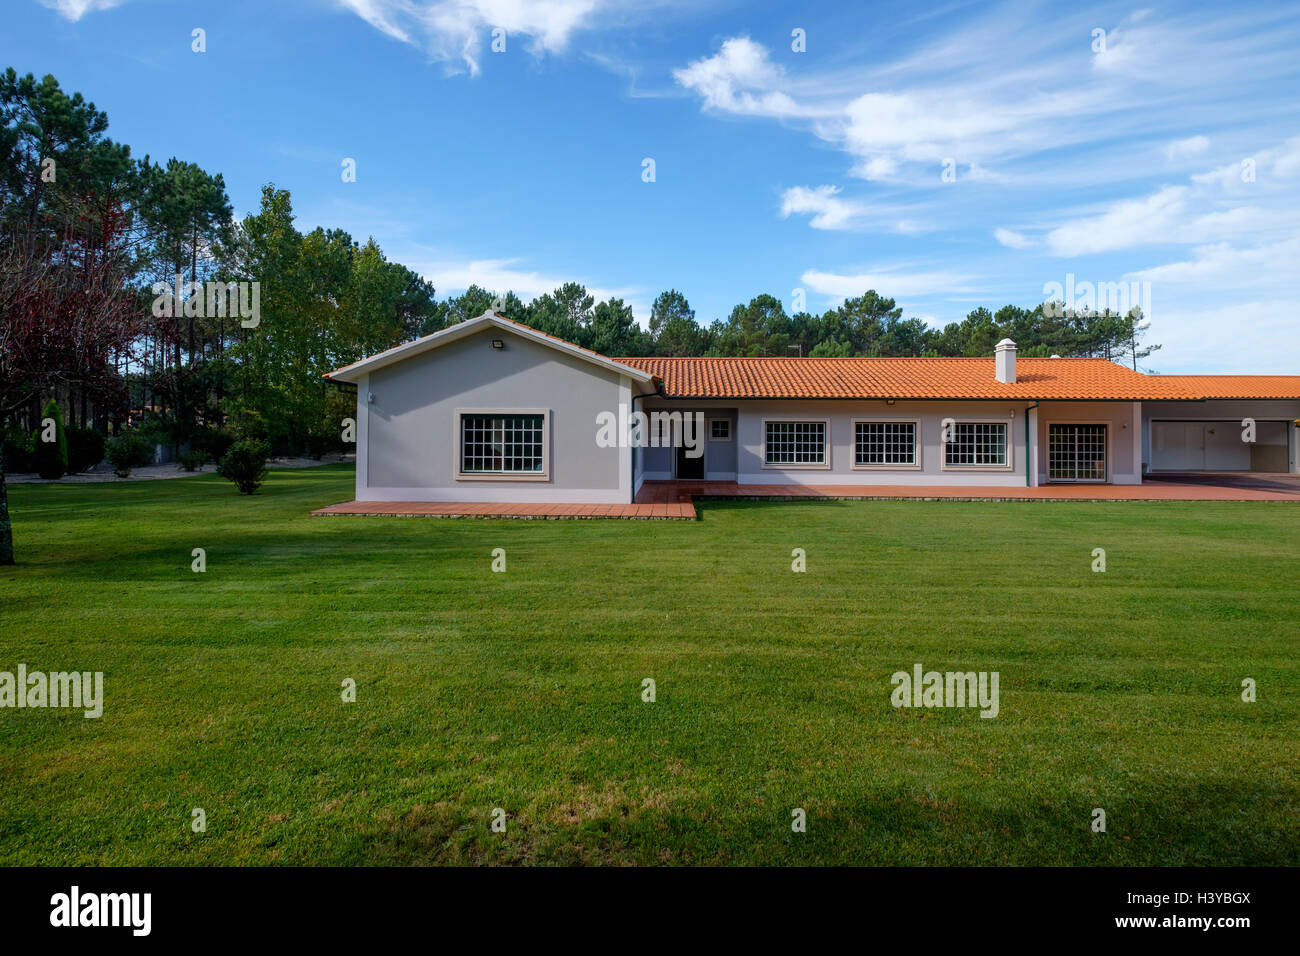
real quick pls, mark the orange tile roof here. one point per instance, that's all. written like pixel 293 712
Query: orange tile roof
pixel 1238 386
pixel 1049 379
pixel 916 378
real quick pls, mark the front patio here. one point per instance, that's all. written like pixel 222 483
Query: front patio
pixel 675 500
pixel 1200 487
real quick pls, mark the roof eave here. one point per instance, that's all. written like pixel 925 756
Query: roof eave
pixel 407 350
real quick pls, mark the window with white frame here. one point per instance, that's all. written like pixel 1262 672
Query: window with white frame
pixel 794 443
pixel 978 443
pixel 884 443
pixel 502 444
pixel 720 429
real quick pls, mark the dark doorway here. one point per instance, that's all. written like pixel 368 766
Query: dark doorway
pixel 690 468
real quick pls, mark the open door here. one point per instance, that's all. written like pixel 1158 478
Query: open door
pixel 689 468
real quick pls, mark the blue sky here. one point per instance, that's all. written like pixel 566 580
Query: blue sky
pixel 949 156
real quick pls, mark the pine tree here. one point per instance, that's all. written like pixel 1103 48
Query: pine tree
pixel 51 456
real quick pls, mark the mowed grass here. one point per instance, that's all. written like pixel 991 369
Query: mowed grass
pixel 522 690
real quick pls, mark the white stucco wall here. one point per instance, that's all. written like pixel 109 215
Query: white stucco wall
pixel 409 432
pixel 841 470
pixel 1123 423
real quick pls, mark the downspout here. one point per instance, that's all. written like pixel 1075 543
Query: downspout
pixel 659 390
pixel 1027 461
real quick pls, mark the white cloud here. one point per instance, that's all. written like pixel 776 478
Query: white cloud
pixel 929 127
pixel 1129 47
pixel 1268 165
pixel 1259 337
pixel 74 10
pixel 1229 267
pixel 456 30
pixel 739 78
pixel 1216 206
pixel 1129 222
pixel 1181 149
pixel 893 284
pixel 830 211
pixel 1012 239
pixel 958 95
pixel 382 15
pixel 502 276
pixel 964 117
pixel 823 202
pixel 1227 176
pixel 1285 160
pixel 875 168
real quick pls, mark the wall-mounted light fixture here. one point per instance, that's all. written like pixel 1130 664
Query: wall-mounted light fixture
pixel 370 396
pixel 498 344
pixel 889 401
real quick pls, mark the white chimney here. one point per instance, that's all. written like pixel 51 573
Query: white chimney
pixel 1004 357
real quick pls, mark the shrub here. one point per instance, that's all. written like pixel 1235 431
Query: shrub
pixel 245 465
pixel 191 460
pixel 51 456
pixel 156 429
pixel 319 445
pixel 129 450
pixel 213 442
pixel 85 449
pixel 17 452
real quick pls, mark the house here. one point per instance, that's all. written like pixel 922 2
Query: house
pixel 491 410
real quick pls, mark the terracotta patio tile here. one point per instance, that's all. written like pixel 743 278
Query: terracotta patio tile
pixel 667 499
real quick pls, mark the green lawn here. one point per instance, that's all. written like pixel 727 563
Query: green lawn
pixel 522 690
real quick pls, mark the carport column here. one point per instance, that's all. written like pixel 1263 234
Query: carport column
pixel 624 449
pixel 363 435
pixel 1031 449
pixel 1136 428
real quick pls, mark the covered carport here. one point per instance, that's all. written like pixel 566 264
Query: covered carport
pixel 1219 445
pixel 1244 425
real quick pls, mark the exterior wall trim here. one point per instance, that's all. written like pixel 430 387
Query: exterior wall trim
pixel 975 469
pixel 824 465
pixel 457 434
pixel 1110 443
pixel 918 447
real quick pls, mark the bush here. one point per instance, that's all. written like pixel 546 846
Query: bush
pixel 51 456
pixel 85 449
pixel 318 445
pixel 245 465
pixel 129 450
pixel 191 460
pixel 17 453
pixel 213 442
pixel 156 429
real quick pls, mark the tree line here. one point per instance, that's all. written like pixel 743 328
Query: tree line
pixel 869 325
pixel 94 243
